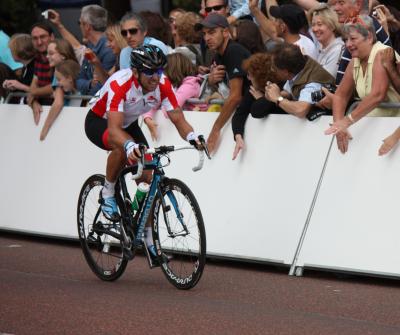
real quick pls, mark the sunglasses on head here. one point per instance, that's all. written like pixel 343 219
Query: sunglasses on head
pixel 215 8
pixel 152 72
pixel 132 31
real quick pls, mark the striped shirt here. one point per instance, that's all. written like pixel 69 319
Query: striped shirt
pixel 42 70
pixel 345 59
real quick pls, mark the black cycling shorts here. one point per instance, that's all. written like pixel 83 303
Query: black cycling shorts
pixel 96 129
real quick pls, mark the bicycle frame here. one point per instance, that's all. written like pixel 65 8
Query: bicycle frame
pixel 124 201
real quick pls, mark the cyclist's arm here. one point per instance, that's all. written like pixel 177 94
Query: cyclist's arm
pixel 116 134
pixel 178 119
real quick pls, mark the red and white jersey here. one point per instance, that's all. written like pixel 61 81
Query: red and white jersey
pixel 123 93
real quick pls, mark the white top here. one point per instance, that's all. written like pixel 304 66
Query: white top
pixel 123 93
pixel 307 46
pixel 329 57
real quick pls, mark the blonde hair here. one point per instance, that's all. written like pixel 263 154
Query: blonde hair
pixel 327 16
pixel 178 68
pixel 21 46
pixel 114 30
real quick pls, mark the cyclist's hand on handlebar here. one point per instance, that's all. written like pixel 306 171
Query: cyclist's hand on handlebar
pixel 134 151
pixel 199 143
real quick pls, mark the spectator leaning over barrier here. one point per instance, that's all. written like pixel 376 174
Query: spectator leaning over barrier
pixel 326 28
pixel 303 76
pixel 66 72
pixel 346 10
pixel 58 51
pixel 393 71
pixel 79 49
pixel 42 35
pixel 227 68
pixel 366 75
pixel 182 74
pixel 389 142
pixel 134 30
pixel 9 67
pixel 260 69
pixel 290 21
pixel 93 23
pixel 22 50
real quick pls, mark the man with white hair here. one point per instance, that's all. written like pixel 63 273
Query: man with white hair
pixel 93 23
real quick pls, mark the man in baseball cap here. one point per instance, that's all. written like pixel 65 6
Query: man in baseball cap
pixel 226 69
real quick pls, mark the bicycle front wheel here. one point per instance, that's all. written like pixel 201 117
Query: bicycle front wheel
pixel 98 236
pixel 179 234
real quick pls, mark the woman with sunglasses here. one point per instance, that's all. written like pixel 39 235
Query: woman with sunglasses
pixel 112 122
pixel 366 75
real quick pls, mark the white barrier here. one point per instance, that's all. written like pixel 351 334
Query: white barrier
pixel 41 180
pixel 255 208
pixel 355 223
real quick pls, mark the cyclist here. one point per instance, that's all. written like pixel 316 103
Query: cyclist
pixel 112 121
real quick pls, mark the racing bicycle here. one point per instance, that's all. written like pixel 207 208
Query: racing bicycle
pixel 176 222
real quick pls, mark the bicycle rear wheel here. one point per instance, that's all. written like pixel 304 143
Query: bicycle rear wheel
pixel 179 234
pixel 103 252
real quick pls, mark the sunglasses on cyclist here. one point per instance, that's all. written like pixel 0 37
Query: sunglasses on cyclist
pixel 215 8
pixel 132 31
pixel 152 72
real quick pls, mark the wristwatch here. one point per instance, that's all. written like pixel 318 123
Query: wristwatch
pixel 280 99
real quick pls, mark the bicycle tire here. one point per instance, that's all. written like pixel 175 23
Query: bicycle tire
pixel 102 252
pixel 182 256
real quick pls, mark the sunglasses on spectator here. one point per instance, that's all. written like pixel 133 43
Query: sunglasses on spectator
pixel 215 8
pixel 132 31
pixel 151 72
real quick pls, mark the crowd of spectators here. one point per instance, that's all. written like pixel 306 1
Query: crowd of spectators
pixel 303 57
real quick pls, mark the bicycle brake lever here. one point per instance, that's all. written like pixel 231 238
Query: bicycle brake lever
pixel 204 145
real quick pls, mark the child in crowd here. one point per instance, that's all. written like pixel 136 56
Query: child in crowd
pixel 22 50
pixel 57 51
pixel 66 74
pixel 184 78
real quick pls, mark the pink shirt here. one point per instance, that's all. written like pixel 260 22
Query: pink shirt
pixel 190 88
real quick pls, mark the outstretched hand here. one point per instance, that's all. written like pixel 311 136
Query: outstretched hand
pixel 238 146
pixel 338 126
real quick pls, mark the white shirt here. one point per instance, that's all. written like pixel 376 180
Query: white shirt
pixel 122 93
pixel 307 46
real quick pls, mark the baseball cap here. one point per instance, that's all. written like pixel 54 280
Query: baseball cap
pixel 213 20
pixel 293 16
